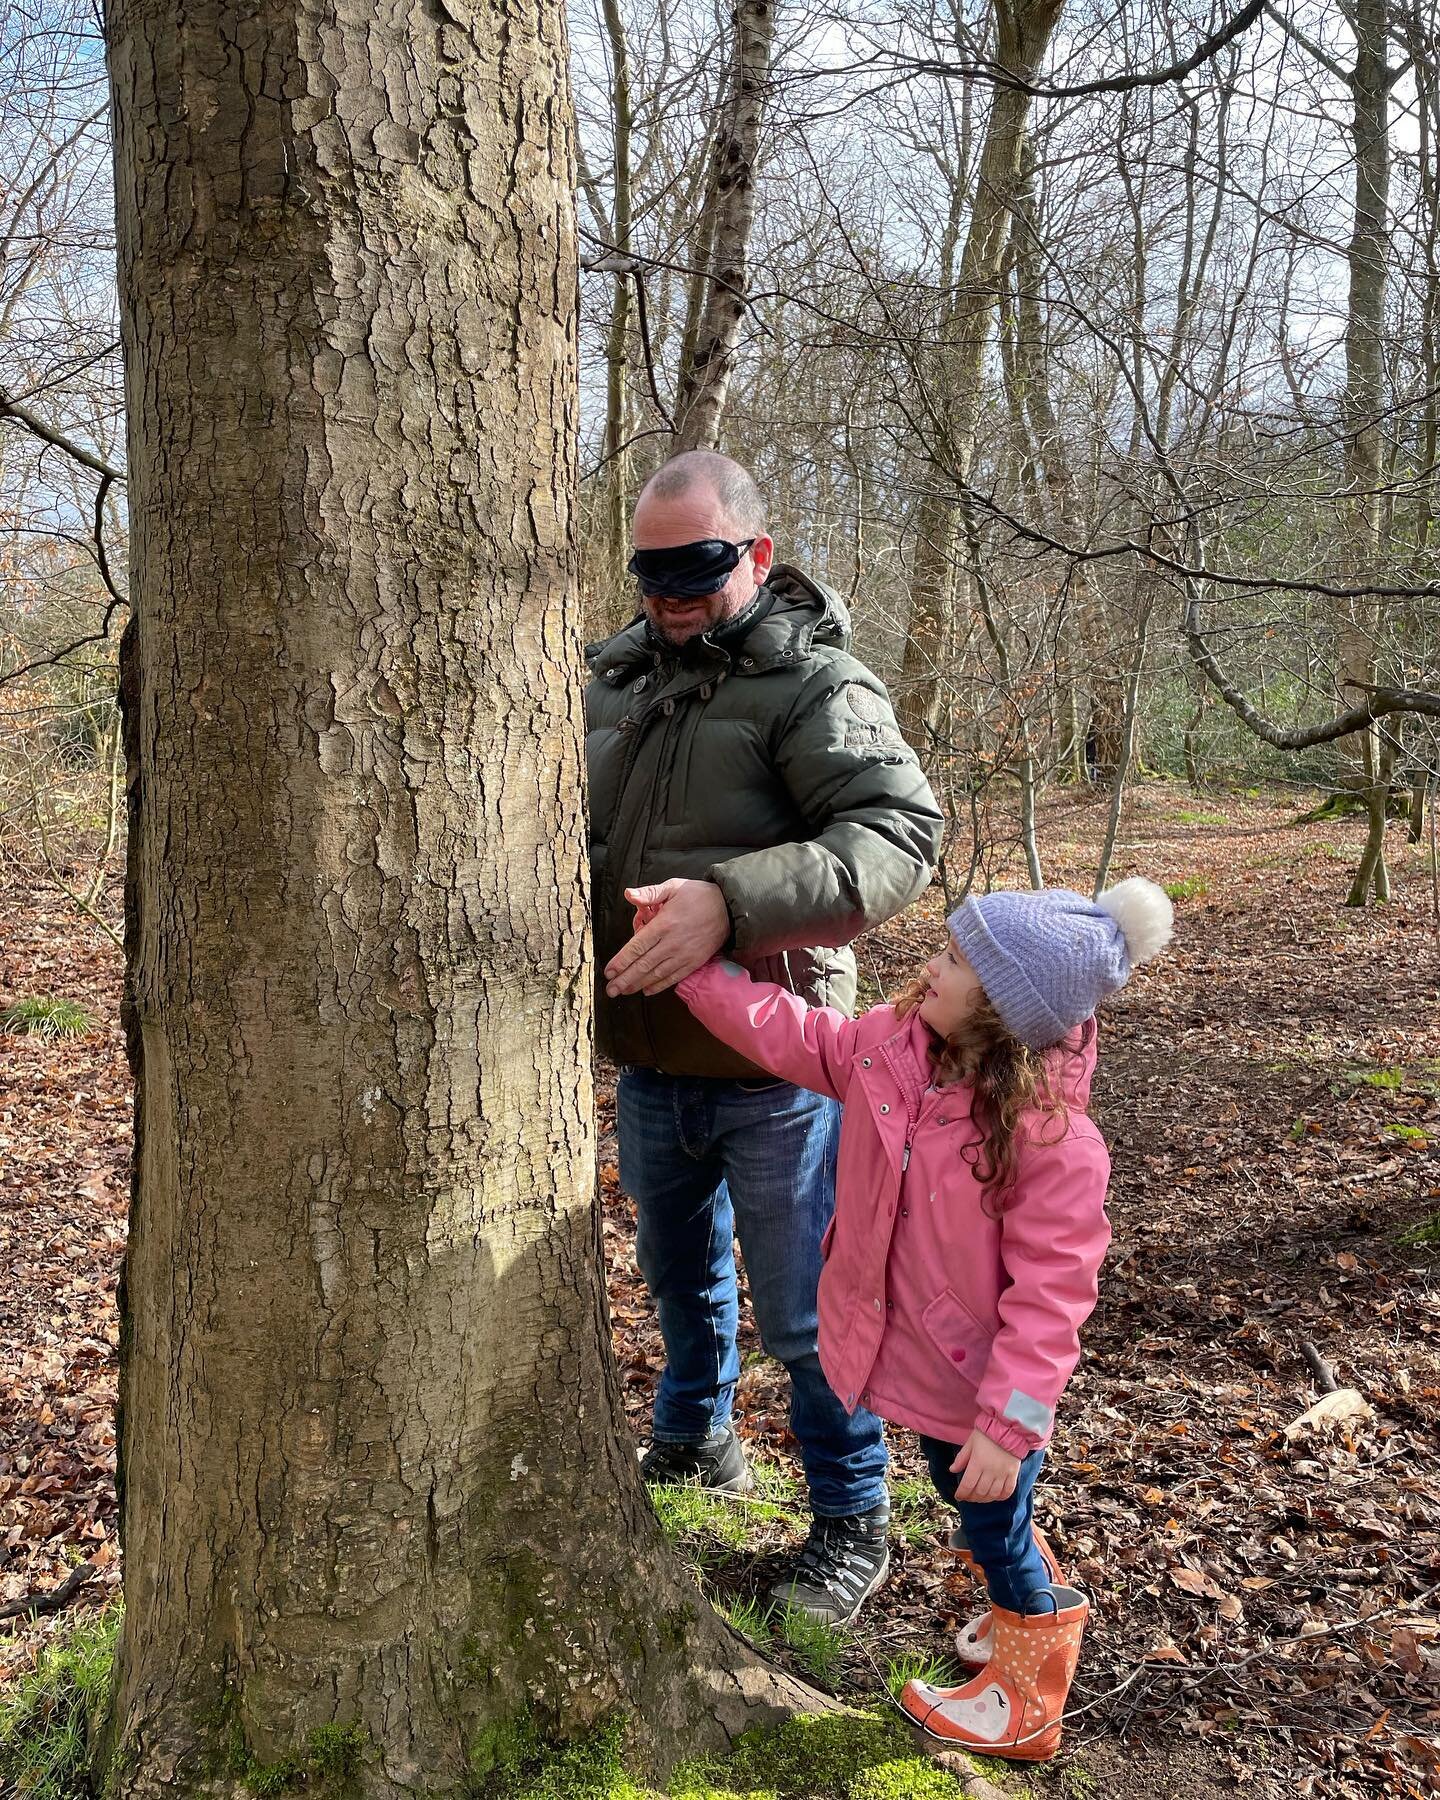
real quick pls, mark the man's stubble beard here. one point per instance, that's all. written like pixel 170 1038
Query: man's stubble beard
pixel 731 610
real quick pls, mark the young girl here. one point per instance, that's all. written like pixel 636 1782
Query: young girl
pixel 968 1233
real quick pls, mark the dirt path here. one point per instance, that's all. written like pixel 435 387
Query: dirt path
pixel 1265 1609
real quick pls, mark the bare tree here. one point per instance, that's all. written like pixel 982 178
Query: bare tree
pixel 377 1499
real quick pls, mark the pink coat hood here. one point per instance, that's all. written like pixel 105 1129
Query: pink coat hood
pixel 933 1313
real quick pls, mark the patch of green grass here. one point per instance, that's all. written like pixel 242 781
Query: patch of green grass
pixel 44 1016
pixel 819 1647
pixel 748 1617
pixel 915 1511
pixel 776 1485
pixel 1201 818
pixel 710 1528
pixel 47 1715
pixel 1423 1236
pixel 1298 1130
pixel 1391 1078
pixel 936 1670
pixel 1192 887
pixel 1408 1134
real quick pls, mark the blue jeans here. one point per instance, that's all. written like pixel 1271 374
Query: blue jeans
pixel 999 1533
pixel 706 1160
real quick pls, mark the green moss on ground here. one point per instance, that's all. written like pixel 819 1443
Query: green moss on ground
pixel 47 1720
pixel 830 1756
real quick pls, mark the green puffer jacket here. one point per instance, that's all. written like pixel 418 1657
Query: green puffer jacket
pixel 772 766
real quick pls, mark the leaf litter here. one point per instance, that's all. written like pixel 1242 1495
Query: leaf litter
pixel 1265 1589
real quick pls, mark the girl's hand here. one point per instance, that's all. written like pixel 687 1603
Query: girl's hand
pixel 986 1471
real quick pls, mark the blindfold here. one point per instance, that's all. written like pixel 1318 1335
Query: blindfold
pixel 687 571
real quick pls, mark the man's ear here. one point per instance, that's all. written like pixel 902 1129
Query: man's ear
pixel 762 552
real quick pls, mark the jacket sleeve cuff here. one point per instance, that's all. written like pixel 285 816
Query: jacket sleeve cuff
pixel 1008 1435
pixel 693 985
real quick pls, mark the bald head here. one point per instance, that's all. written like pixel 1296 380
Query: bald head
pixel 697 497
pixel 720 479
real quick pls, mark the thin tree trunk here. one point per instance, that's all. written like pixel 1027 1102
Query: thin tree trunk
pixel 615 454
pixel 1419 789
pixel 1023 30
pixel 1127 748
pixel 1370 83
pixel 374 1476
pixel 704 385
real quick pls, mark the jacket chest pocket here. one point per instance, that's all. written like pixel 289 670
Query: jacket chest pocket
pixel 958 1335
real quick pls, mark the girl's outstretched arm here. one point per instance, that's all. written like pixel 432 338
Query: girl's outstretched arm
pixel 809 1045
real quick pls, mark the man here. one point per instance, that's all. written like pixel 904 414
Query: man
pixel 747 779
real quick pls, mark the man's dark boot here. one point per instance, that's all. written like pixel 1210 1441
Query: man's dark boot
pixel 717 1463
pixel 842 1564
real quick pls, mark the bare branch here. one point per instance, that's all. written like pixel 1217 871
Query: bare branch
pixel 12 409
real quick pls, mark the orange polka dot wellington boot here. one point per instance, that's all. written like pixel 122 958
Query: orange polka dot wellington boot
pixel 973 1641
pixel 1014 1707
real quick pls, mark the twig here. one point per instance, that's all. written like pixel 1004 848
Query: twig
pixel 1319 1368
pixel 1385 1612
pixel 37 1605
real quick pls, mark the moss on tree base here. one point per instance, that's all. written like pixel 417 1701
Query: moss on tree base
pixel 46 1741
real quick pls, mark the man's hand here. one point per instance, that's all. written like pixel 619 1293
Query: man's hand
pixel 678 926
pixel 986 1471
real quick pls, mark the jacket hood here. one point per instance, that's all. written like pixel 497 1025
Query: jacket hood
pixel 803 613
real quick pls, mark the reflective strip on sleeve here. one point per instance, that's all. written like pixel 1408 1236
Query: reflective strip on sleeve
pixel 1029 1414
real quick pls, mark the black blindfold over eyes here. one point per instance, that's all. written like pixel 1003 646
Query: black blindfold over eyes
pixel 687 571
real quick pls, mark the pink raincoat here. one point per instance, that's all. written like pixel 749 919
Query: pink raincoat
pixel 933 1313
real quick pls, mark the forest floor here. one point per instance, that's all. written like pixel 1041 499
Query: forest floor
pixel 1266 1605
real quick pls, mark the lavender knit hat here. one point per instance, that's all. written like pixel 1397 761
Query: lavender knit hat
pixel 1047 959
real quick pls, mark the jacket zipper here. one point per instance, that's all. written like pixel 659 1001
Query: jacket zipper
pixel 912 1115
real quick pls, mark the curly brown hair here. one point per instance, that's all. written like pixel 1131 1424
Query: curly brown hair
pixel 1007 1079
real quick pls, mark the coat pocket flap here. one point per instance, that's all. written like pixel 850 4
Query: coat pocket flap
pixel 958 1335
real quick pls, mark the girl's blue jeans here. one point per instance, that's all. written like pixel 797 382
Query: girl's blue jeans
pixel 705 1160
pixel 999 1534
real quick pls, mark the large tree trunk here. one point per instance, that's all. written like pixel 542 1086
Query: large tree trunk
pixel 1023 29
pixel 374 1472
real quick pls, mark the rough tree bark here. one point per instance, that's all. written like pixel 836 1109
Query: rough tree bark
pixel 704 382
pixel 374 1471
pixel 1023 29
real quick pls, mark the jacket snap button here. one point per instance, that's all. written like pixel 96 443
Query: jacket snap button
pixel 958 1355
pixel 877 1306
pixel 638 685
pixel 884 1107
pixel 747 662
pixel 943 1119
pixel 864 1062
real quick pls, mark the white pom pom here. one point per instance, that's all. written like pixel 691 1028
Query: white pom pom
pixel 1144 914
